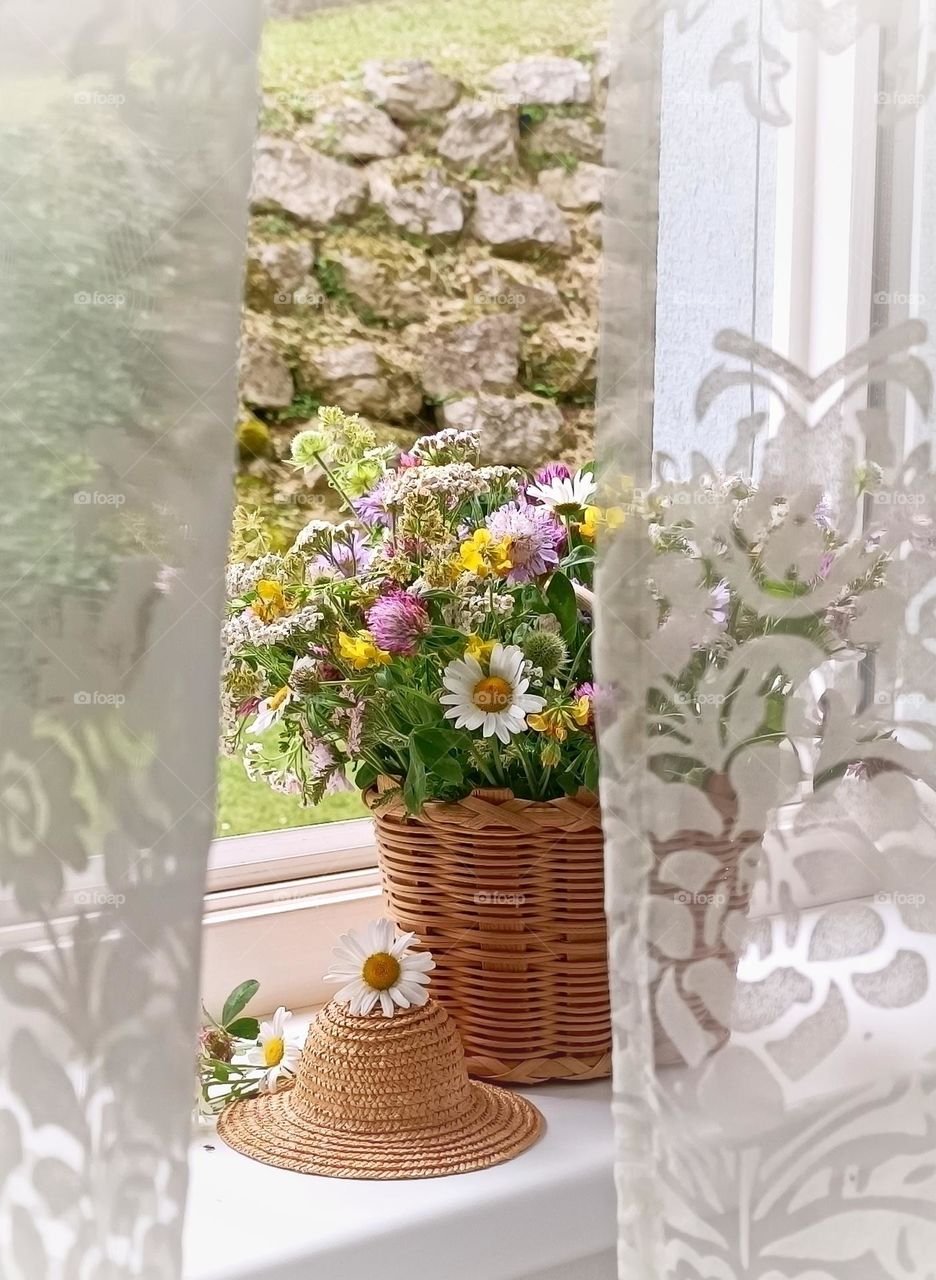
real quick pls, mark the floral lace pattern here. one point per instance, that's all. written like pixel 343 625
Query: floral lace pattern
pixel 766 668
pixel 751 60
pixel 124 169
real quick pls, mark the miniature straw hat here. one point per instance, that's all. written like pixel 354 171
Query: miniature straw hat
pixel 382 1097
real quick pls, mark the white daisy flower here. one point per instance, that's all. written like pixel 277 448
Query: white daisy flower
pixel 273 1051
pixel 566 495
pixel 377 967
pixel 271 709
pixel 495 702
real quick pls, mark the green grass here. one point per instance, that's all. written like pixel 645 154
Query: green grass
pixel 465 38
pixel 245 806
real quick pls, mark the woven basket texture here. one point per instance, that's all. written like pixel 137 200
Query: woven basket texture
pixel 508 895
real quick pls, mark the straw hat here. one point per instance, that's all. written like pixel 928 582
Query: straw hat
pixel 378 1097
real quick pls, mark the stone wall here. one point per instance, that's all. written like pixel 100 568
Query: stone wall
pixel 427 255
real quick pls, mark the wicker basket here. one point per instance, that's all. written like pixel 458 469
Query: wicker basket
pixel 508 895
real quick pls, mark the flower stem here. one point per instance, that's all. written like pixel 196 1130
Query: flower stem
pixel 335 483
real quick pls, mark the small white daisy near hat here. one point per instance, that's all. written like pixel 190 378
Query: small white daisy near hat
pixel 273 1051
pixel 377 966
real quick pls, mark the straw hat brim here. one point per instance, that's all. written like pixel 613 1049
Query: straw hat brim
pixel 267 1128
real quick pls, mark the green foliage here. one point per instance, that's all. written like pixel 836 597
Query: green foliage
pixel 330 276
pixel 464 38
pixel 238 1001
pixel 304 405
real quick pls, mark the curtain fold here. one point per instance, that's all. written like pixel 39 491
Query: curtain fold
pixel 125 141
pixel 766 655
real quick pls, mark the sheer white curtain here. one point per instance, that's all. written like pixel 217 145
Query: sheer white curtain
pixel 125 138
pixel 767 654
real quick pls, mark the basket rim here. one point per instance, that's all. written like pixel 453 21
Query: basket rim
pixel 583 799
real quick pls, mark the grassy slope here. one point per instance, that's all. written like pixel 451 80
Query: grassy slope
pixel 465 38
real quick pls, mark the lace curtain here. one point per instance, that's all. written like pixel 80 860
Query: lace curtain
pixel 767 655
pixel 125 138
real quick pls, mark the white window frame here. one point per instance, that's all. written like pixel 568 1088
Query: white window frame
pixel 277 901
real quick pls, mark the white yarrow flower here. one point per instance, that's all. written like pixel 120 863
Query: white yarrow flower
pixel 378 967
pixel 496 701
pixel 565 495
pixel 274 1052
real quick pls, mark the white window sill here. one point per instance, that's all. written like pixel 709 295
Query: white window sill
pixel 549 1214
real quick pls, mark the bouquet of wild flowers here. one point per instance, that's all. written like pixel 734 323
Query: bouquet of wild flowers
pixel 436 637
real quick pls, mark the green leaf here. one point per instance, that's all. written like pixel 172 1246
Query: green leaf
pixel 432 744
pixel 365 776
pixel 238 1000
pixel 448 770
pixel 244 1029
pixel 221 1073
pixel 414 784
pixel 434 748
pixel 561 596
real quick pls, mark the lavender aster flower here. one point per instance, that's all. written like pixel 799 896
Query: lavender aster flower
pixel 398 621
pixel 534 535
pixel 348 555
pixel 720 596
pixel 371 509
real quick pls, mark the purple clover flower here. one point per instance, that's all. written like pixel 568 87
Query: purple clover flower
pixel 398 621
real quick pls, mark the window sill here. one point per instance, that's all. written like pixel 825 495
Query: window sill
pixel 549 1214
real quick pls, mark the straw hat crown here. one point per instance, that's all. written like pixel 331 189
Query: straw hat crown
pixel 408 1071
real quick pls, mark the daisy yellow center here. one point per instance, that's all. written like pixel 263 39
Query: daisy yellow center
pixel 278 698
pixel 492 694
pixel 273 1051
pixel 381 971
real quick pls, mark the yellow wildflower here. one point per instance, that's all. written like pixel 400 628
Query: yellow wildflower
pixel 479 649
pixel 361 651
pixel 554 722
pixel 271 603
pixel 482 556
pixel 582 712
pixel 595 518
